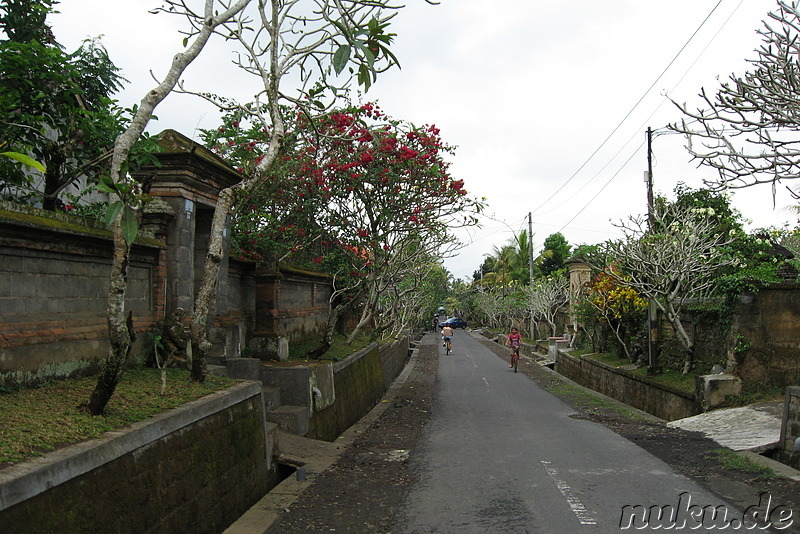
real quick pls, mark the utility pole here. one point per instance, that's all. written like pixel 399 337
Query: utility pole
pixel 652 310
pixel 530 266
pixel 649 179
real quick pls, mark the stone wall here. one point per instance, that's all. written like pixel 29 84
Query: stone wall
pixel 193 469
pixel 768 326
pixel 293 304
pixel 53 290
pixel 359 383
pixel 758 341
pixel 54 272
pixel 711 334
pixel 655 399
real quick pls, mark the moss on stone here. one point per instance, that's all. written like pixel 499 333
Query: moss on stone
pixel 62 222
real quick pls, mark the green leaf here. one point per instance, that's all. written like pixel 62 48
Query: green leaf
pixel 129 224
pixel 105 189
pixel 112 211
pixel 340 58
pixel 342 29
pixel 364 77
pixel 25 160
pixel 370 57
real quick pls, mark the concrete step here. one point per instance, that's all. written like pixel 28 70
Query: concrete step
pixel 293 419
pixel 217 370
pixel 272 397
pixel 244 368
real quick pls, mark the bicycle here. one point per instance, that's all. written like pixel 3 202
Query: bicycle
pixel 515 358
pixel 448 346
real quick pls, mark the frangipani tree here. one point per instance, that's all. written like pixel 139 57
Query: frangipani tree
pixel 357 181
pixel 124 211
pixel 546 296
pixel 679 260
pixel 277 38
pixel 748 130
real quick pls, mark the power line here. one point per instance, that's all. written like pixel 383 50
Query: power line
pixel 631 110
pixel 604 186
pixel 662 130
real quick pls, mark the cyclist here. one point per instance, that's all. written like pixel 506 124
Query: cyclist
pixel 514 340
pixel 447 335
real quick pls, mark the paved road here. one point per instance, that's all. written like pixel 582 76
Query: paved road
pixel 502 455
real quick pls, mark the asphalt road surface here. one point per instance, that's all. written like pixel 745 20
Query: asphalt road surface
pixel 502 455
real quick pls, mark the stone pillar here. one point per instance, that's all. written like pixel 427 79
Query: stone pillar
pixel 790 428
pixel 268 342
pixel 580 274
pixel 188 182
pixel 156 221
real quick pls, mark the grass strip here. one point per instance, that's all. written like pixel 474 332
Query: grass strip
pixel 36 421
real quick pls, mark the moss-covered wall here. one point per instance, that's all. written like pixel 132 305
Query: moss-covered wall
pixel 711 332
pixel 198 478
pixel 359 381
pixel 767 326
pixel 632 390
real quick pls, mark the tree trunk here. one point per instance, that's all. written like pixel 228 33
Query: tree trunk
pixel 366 317
pixel 327 337
pixel 675 320
pixel 366 314
pixel 621 342
pixel 201 346
pixel 120 331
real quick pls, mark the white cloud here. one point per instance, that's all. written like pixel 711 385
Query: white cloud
pixel 526 90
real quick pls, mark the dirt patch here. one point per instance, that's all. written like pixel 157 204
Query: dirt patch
pixel 363 491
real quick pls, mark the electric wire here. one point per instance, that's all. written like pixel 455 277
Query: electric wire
pixel 619 125
pixel 657 131
pixel 604 186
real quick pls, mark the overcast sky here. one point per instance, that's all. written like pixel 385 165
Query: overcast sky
pixel 541 98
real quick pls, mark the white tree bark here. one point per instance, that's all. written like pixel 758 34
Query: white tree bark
pixel 119 332
pixel 672 265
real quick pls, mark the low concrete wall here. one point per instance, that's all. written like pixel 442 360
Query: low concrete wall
pixel 193 469
pixel 655 399
pixel 393 359
pixel 790 429
pixel 359 383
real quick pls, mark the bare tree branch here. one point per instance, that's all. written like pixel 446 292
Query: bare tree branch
pixel 748 130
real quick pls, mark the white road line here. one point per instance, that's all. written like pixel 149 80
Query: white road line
pixel 584 516
pixel 485 381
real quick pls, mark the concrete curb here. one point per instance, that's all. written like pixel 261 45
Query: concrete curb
pixel 780 469
pixel 312 458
